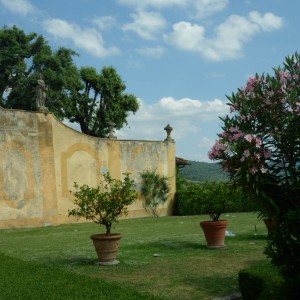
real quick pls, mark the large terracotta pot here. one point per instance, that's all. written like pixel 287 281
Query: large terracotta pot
pixel 214 232
pixel 106 247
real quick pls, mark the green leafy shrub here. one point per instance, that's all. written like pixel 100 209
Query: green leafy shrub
pixel 105 203
pixel 186 198
pixel 262 282
pixel 241 202
pixel 155 190
pixel 213 198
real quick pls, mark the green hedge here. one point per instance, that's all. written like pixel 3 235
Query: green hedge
pixel 26 280
pixel 189 197
pixel 262 282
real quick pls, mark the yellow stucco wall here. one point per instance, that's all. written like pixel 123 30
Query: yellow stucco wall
pixel 41 158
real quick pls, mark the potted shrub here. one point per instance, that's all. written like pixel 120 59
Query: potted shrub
pixel 103 205
pixel 215 200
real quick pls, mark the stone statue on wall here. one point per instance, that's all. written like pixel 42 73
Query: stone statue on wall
pixel 40 94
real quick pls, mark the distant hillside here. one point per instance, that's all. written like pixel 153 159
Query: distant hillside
pixel 201 171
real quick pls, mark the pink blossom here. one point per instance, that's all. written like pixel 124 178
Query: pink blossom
pixel 237 136
pixel 257 156
pixel 267 153
pixel 253 170
pixel 258 142
pixel 246 153
pixel 211 156
pixel 216 150
pixel 250 84
pixel 234 129
pixel 248 138
pixel 263 170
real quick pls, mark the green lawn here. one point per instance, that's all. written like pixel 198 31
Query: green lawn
pixel 183 269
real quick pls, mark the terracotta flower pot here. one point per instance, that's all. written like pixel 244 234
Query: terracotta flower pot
pixel 214 232
pixel 106 247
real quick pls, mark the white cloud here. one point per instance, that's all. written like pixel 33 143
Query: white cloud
pixel 187 36
pixel 205 8
pixel 154 3
pixel 146 24
pixel 153 52
pixel 185 115
pixel 229 37
pixel 206 142
pixel 190 108
pixel 200 8
pixel 105 22
pixel 267 22
pixel 21 7
pixel 88 39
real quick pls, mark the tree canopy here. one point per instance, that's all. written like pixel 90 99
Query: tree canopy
pixel 79 95
pixel 99 100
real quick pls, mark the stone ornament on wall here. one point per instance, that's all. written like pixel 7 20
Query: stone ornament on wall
pixel 41 94
pixel 168 129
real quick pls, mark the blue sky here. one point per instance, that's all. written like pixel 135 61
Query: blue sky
pixel 179 57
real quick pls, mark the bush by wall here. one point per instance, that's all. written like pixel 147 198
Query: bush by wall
pixel 190 196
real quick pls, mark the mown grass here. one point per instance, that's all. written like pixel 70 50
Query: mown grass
pixel 164 256
pixel 27 280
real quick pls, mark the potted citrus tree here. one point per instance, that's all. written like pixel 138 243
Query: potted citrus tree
pixel 215 199
pixel 103 205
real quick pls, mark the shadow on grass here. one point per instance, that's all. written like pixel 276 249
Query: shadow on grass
pixel 249 237
pixel 180 245
pixel 145 250
pixel 73 261
pixel 216 285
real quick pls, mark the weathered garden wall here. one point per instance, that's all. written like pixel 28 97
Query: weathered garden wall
pixel 41 158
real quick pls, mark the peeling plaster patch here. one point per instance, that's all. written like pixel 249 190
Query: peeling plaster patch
pixel 15 175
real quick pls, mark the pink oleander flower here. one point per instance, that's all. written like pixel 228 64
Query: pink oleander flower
pixel 258 142
pixel 217 150
pixel 248 138
pixel 267 153
pixel 271 93
pixel 234 129
pixel 246 153
pixel 263 170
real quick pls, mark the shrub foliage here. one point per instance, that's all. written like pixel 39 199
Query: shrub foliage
pixel 260 148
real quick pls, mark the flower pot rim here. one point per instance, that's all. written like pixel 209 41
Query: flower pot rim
pixel 210 221
pixel 103 236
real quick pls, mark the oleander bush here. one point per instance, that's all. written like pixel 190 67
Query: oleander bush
pixel 260 149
